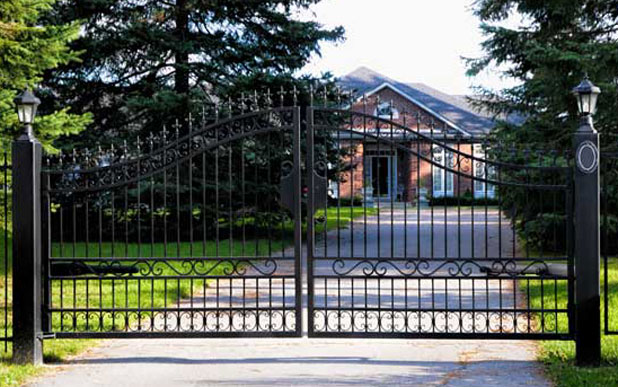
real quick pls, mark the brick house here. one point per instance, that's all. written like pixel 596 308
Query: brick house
pixel 392 174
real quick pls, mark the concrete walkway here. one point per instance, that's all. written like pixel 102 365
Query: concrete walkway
pixel 314 362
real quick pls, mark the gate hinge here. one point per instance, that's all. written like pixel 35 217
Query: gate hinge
pixel 46 335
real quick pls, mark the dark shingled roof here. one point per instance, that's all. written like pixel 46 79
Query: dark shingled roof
pixel 455 109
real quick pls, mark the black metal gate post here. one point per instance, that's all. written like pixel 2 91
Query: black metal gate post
pixel 587 244
pixel 27 345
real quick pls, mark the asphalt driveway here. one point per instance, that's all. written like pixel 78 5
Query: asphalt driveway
pixel 312 362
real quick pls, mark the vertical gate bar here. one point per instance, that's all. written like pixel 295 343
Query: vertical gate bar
pixel 139 236
pixel 164 144
pixel 73 255
pixel 458 160
pixel 177 134
pixel 230 200
pixel 365 177
pixel 433 194
pixel 244 198
pixel 139 200
pixel 446 165
pixel 338 178
pixel 217 199
pixel 152 204
pixel 310 219
pixel 190 201
pixel 405 196
pixel 393 189
pixel 605 247
pixel 587 244
pixel 5 188
pixel 297 224
pixel 352 194
pixel 338 166
pixel 352 216
pixel 27 346
pixel 203 212
pixel 87 252
pixel 418 192
pixel 378 223
pixel 255 204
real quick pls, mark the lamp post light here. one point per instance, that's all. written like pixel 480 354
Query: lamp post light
pixel 27 104
pixel 587 242
pixel 28 237
pixel 587 94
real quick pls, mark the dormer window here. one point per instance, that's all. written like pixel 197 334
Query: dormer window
pixel 387 110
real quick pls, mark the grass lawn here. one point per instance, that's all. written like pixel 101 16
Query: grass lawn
pixel 73 293
pixel 559 356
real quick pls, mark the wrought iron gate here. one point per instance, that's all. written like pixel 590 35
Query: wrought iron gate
pixel 410 232
pixel 183 236
pixel 437 255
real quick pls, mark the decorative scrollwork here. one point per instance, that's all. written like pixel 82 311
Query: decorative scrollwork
pixel 110 169
pixel 453 267
pixel 174 320
pixel 432 322
pixel 156 267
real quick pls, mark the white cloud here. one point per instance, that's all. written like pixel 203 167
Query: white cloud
pixel 408 40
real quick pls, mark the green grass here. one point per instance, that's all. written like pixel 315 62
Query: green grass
pixel 339 217
pixel 127 292
pixel 559 356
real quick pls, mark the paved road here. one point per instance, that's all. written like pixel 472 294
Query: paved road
pixel 343 361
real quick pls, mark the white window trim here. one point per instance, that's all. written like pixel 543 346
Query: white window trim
pixel 394 110
pixel 442 178
pixel 478 187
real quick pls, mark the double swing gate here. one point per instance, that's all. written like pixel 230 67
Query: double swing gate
pixel 200 235
pixel 377 226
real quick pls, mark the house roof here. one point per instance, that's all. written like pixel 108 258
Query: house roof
pixel 452 109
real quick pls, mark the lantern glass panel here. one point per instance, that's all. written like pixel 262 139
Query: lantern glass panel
pixel 26 113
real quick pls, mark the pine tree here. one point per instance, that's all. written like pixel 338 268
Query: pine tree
pixel 556 43
pixel 27 49
pixel 151 61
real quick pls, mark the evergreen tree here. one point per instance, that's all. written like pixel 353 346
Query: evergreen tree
pixel 556 43
pixel 151 61
pixel 27 49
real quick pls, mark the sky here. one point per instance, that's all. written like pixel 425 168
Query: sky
pixel 407 40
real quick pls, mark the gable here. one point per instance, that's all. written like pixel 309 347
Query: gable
pixel 451 109
pixel 419 105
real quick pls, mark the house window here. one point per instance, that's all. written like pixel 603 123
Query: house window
pixel 443 182
pixel 482 171
pixel 386 110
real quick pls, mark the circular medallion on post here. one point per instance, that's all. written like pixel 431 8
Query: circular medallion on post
pixel 587 157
